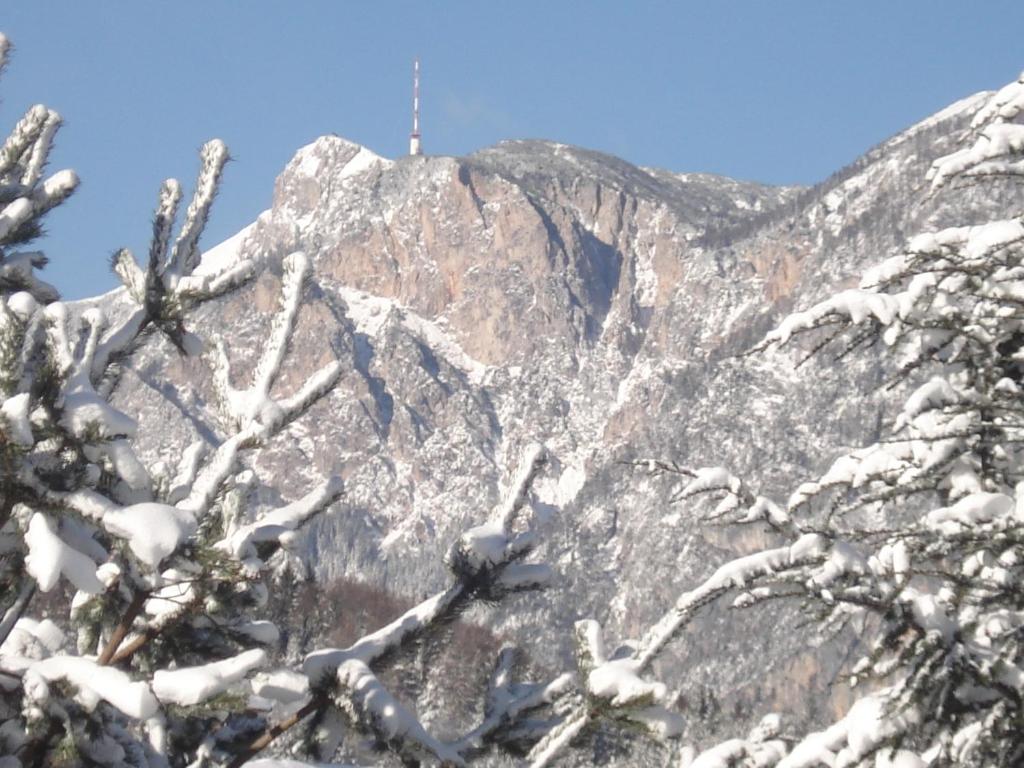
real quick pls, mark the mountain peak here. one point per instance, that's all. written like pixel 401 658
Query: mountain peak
pixel 535 291
pixel 335 156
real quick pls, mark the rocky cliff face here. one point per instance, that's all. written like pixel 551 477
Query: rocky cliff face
pixel 535 291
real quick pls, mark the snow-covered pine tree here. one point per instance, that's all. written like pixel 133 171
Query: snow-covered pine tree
pixel 922 532
pixel 164 575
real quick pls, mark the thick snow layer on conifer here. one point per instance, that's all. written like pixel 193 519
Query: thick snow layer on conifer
pixel 273 525
pixel 84 409
pixel 94 683
pixel 153 530
pixel 48 557
pixel 374 645
pixel 22 304
pixel 809 548
pixel 866 727
pixel 996 142
pixel 518 576
pixel 361 690
pixel 28 641
pixel 15 419
pixel 935 393
pixel 14 214
pixel 125 463
pixel 193 685
pixel 45 631
pixel 970 511
pixel 1006 104
pixel 974 241
pixel 281 685
pixel 56 393
pixel 764 508
pixel 760 748
pixel 173 598
pixel 619 682
pixel 853 304
pixel 484 545
pixel 711 478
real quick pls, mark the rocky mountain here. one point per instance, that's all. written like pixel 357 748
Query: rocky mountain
pixel 537 291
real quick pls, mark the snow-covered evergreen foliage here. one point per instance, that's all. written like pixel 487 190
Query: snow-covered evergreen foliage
pixel 163 571
pixel 919 538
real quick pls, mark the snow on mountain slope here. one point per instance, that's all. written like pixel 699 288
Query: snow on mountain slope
pixel 536 291
pixel 224 254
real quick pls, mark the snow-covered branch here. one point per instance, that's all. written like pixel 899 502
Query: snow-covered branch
pixel 165 580
pixel 508 701
pixel 255 407
pixel 372 707
pixel 166 288
pixel 484 561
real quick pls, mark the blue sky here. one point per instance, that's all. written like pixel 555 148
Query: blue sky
pixel 780 92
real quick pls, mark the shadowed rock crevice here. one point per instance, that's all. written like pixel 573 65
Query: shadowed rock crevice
pixel 600 271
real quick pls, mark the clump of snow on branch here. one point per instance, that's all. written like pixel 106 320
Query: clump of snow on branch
pixel 193 685
pixel 93 683
pixel 762 747
pixel 365 699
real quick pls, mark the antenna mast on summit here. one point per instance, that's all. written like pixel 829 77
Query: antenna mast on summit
pixel 414 137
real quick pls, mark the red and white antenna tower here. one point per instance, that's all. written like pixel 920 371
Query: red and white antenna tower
pixel 414 137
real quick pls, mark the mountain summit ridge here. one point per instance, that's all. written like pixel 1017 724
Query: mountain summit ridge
pixel 536 292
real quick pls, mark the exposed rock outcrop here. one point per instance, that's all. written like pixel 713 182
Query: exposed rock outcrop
pixel 539 291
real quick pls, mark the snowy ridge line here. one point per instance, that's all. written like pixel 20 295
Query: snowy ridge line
pixel 369 314
pixel 960 107
pixel 226 253
pixel 363 161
